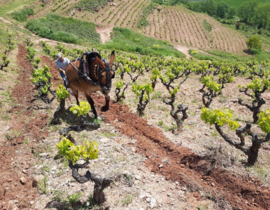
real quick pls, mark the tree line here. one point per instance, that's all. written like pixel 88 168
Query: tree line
pixel 252 13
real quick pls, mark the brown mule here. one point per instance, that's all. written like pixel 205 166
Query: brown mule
pixel 100 74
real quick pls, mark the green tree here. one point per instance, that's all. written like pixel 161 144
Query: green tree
pixel 174 2
pixel 246 11
pixel 222 9
pixel 254 43
pixel 231 12
pixel 262 16
pixel 195 6
pixel 210 7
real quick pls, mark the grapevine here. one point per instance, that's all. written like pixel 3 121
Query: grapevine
pixel 81 110
pixel 143 93
pixel 87 151
pixel 224 117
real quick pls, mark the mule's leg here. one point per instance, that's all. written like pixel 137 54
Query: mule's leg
pixel 107 101
pixel 76 94
pixel 92 104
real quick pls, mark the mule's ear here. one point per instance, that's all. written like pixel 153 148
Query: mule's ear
pixel 112 57
pixel 100 63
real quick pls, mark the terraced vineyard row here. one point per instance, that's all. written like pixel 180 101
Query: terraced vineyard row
pixel 181 26
pixel 61 5
pixel 125 14
pixel 174 24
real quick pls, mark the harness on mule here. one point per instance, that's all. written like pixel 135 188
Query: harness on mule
pixel 83 71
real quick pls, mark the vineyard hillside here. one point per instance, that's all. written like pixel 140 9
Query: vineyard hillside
pixel 177 25
pixel 182 26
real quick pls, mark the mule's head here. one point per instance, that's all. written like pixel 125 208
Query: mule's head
pixel 105 73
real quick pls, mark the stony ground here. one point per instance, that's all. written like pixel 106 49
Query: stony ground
pixel 158 169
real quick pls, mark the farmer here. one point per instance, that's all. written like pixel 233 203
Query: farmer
pixel 61 65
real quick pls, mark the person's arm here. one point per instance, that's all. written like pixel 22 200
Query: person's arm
pixel 59 68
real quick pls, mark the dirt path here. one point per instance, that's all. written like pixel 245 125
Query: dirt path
pixel 5 20
pixel 183 49
pixel 9 22
pixel 25 130
pixel 105 33
pixel 181 164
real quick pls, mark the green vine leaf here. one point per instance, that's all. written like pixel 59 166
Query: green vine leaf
pixel 61 93
pixel 264 121
pixel 86 151
pixel 219 117
pixel 81 110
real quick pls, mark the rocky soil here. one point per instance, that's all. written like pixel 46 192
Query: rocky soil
pixel 155 169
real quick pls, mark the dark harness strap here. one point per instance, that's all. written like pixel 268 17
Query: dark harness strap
pixel 108 71
pixel 86 76
pixel 81 75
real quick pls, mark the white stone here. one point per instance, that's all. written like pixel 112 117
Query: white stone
pixel 54 168
pixel 104 140
pixel 144 195
pixel 23 180
pixel 153 203
pixel 39 177
pixel 137 177
pixel 80 162
pixel 43 154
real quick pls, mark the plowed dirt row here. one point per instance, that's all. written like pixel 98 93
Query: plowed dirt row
pixel 16 158
pixel 180 164
pixel 56 78
pixel 184 166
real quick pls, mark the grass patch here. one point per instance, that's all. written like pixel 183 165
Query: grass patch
pixel 225 55
pixel 63 29
pixel 127 199
pixel 146 12
pixel 5 32
pixel 22 15
pixel 108 135
pixel 74 198
pixel 203 56
pixel 156 95
pixel 129 41
pixel 207 26
pixel 10 6
pixel 90 5
pixel 42 185
pixel 260 56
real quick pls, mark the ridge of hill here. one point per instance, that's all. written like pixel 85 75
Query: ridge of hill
pixel 175 24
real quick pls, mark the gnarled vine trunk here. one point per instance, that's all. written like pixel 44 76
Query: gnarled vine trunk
pixel 100 183
pixel 252 151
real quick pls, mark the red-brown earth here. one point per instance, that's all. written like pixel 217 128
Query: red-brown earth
pixel 182 165
pixel 16 154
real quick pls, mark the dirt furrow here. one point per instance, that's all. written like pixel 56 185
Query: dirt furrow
pixel 181 164
pixel 27 127
pixel 56 78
